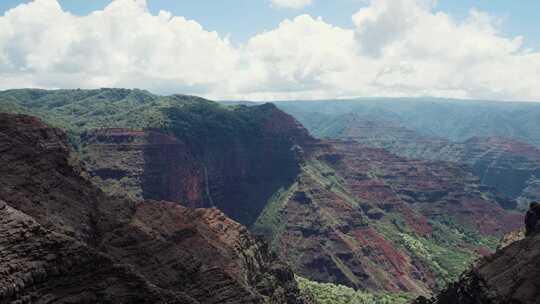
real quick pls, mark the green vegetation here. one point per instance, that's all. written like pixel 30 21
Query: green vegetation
pixel 327 293
pixel 456 120
pixel 448 250
pixel 193 119
pixel 206 124
pixel 327 177
pixel 268 223
pixel 209 127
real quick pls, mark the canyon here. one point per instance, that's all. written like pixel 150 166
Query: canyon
pixel 65 240
pixel 508 165
pixel 508 276
pixel 353 209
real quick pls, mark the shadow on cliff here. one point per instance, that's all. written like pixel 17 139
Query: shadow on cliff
pixel 212 157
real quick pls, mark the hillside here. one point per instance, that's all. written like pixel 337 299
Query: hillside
pixel 175 148
pixel 508 276
pixel 337 211
pixel 63 240
pixel 511 166
pixel 365 218
pixel 455 120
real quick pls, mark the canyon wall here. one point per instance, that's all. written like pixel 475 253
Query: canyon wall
pixel 64 240
pixel 235 172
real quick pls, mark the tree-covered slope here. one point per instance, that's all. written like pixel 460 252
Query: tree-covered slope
pixel 177 148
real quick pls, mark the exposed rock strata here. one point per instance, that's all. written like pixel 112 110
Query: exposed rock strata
pixel 332 200
pixel 238 176
pixel 82 246
pixel 508 276
pixel 354 214
pixel 508 165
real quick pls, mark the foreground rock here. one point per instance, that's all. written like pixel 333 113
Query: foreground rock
pixel 532 219
pixel 63 240
pixel 510 165
pixel 508 276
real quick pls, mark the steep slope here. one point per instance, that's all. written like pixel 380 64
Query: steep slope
pixel 176 148
pixel 235 168
pixel 508 276
pixel 506 164
pixel 365 218
pixel 83 246
pixel 451 119
pixel 337 211
pixel 42 266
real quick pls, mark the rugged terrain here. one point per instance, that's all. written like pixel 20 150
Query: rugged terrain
pixel 508 276
pixel 508 165
pixel 337 211
pixel 175 148
pixel 236 173
pixel 64 240
pixel 451 119
pixel 365 218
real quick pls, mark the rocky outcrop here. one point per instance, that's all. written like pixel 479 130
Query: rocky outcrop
pixel 41 266
pixel 508 165
pixel 368 219
pixel 236 173
pixel 64 240
pixel 532 219
pixel 508 276
pixel 510 238
pixel 145 164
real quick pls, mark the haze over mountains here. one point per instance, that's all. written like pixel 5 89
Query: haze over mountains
pixel 368 195
pixel 498 140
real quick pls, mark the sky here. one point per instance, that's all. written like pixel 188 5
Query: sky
pixel 276 49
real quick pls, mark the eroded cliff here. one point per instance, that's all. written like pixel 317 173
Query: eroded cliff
pixel 63 239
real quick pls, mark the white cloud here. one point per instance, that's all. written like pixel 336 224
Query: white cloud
pixel 396 48
pixel 444 57
pixel 302 57
pixel 295 4
pixel 123 45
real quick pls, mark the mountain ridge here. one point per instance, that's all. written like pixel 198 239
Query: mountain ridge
pixel 337 211
pixel 150 252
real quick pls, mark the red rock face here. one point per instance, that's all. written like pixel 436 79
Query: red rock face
pixel 506 164
pixel 55 224
pixel 353 212
pixel 237 177
pixel 431 187
pixel 152 164
pixel 348 213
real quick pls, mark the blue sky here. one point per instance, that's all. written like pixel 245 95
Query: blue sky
pixel 242 19
pixel 276 49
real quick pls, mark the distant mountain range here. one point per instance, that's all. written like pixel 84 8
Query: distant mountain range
pixel 455 120
pixel 499 140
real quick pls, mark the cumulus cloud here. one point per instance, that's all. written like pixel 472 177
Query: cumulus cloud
pixel 302 57
pixel 442 56
pixel 396 48
pixel 124 45
pixel 295 4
